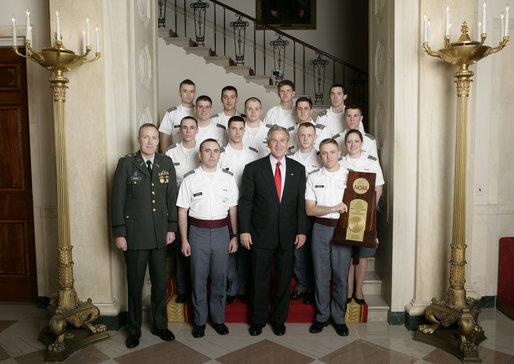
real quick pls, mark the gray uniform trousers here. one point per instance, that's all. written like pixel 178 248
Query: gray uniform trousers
pixel 329 259
pixel 232 277
pixel 209 257
pixel 303 264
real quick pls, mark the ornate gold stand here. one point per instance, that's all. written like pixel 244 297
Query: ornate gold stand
pixel 460 334
pixel 65 307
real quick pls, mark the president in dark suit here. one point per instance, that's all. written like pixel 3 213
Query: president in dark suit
pixel 272 222
pixel 144 221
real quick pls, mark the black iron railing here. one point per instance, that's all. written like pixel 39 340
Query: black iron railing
pixel 313 77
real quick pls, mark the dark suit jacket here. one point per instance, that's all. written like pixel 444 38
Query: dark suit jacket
pixel 269 221
pixel 143 208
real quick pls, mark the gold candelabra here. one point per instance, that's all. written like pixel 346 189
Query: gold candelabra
pixel 65 307
pixel 454 320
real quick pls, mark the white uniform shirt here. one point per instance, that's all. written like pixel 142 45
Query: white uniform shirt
pixel 234 160
pixel 366 163
pixel 214 131
pixel 310 160
pixel 170 123
pixel 326 188
pixel 369 143
pixel 208 196
pixel 277 116
pixel 257 138
pixel 334 122
pixel 184 159
pixel 222 119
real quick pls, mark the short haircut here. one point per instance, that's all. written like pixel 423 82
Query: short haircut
pixel 353 107
pixel 328 141
pixel 189 117
pixel 228 88
pixel 306 124
pixel 203 98
pixel 209 140
pixel 304 99
pixel 146 125
pixel 234 119
pixel 285 83
pixel 353 131
pixel 336 85
pixel 253 98
pixel 277 128
pixel 187 81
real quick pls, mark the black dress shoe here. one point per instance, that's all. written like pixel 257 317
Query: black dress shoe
pixel 341 329
pixel 296 295
pixel 278 329
pixel 198 331
pixel 308 299
pixel 164 334
pixel 132 341
pixel 229 299
pixel 317 327
pixel 221 329
pixel 244 298
pixel 255 330
pixel 182 298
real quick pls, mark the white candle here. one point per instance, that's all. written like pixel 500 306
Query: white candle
pixel 483 20
pixel 87 33
pixel 13 32
pixel 428 31
pixel 449 29
pixel 31 33
pixel 506 34
pixel 479 28
pixel 27 29
pixel 447 21
pixel 503 26
pixel 97 41
pixel 83 42
pixel 57 26
pixel 425 31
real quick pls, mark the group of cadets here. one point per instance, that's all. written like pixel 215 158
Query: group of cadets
pixel 209 154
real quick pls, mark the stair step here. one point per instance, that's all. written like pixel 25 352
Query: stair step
pixel 372 284
pixel 164 32
pixel 219 60
pixel 179 41
pixel 371 264
pixel 377 308
pixel 239 70
pixel 199 51
pixel 260 80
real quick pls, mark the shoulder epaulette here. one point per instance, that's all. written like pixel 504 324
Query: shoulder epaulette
pixel 222 149
pixel 189 173
pixel 268 125
pixel 221 126
pixel 290 128
pixel 336 136
pixel 227 171
pixel 290 153
pixel 253 149
pixel 323 113
pixel 371 157
pixel 130 155
pixel 340 159
pixel 172 109
pixel 369 136
pixel 171 147
pixel 314 171
pixel 320 126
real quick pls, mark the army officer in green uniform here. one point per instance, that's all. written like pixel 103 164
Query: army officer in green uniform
pixel 144 221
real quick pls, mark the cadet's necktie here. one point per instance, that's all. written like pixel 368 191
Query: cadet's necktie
pixel 278 180
pixel 149 164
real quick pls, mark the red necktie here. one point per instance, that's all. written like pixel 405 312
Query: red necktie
pixel 278 180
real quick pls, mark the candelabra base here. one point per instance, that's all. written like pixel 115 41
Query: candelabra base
pixel 62 339
pixel 454 330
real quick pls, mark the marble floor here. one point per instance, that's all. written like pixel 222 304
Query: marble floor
pixel 375 342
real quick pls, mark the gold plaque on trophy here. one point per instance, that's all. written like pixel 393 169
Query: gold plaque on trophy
pixel 358 226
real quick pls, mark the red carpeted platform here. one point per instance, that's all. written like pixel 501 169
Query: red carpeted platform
pixel 505 301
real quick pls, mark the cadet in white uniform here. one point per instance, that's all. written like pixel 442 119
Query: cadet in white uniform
pixel 256 133
pixel 207 194
pixel 170 124
pixel 283 114
pixel 207 128
pixel 185 158
pixel 229 101
pixel 358 161
pixel 234 158
pixel 304 110
pixel 323 199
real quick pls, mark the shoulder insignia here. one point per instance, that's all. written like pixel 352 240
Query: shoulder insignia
pixel 227 171
pixel 290 153
pixel 290 128
pixel 340 159
pixel 323 113
pixel 253 149
pixel 369 136
pixel 189 173
pixel 268 125
pixel 336 136
pixel 171 147
pixel 172 109
pixel 221 126
pixel 314 171
pixel 130 155
pixel 371 157
pixel 222 149
pixel 320 126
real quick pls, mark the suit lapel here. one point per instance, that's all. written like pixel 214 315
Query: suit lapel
pixel 269 177
pixel 140 164
pixel 290 177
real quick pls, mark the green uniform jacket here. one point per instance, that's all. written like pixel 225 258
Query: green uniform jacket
pixel 143 207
